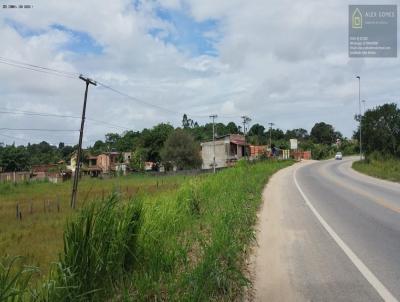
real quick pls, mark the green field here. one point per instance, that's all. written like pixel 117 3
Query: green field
pixel 45 207
pixel 388 169
pixel 185 243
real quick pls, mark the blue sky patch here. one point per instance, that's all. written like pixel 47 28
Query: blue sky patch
pixel 23 30
pixel 196 38
pixel 81 42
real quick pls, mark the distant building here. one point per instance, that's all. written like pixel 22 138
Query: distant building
pixel 149 166
pixel 257 151
pixel 107 161
pixel 55 173
pixel 126 157
pixel 103 163
pixel 228 149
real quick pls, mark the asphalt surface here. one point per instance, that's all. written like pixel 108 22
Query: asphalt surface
pixel 328 233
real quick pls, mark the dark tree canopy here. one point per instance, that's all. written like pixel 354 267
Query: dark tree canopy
pixel 298 133
pixel 323 133
pixel 381 130
pixel 181 150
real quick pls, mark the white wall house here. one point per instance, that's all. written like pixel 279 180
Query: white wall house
pixel 228 149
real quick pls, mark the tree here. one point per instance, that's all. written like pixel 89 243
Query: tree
pixel 14 158
pixel 323 133
pixel 299 133
pixel 277 134
pixel 232 128
pixel 153 140
pixel 257 130
pixel 381 130
pixel 181 150
pixel 137 160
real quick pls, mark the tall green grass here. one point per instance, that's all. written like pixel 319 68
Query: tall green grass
pixel 188 245
pixel 379 166
pixel 14 280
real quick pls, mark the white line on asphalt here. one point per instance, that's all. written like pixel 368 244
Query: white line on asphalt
pixel 364 270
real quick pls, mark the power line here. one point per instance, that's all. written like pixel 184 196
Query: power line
pixel 39 129
pixel 37 68
pixel 30 142
pixel 136 99
pixel 44 114
pixel 73 75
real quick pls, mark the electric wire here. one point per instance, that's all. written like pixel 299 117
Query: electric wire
pixel 39 129
pixel 74 75
pixel 39 70
pixel 45 114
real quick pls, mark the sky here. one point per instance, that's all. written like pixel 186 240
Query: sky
pixel 276 61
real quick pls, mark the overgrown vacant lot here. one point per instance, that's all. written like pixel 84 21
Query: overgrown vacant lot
pixel 45 206
pixel 187 244
pixel 382 168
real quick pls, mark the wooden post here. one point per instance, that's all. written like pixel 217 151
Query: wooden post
pixel 17 211
pixel 102 194
pixel 20 215
pixel 58 204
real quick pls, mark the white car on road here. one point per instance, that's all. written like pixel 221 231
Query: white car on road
pixel 339 156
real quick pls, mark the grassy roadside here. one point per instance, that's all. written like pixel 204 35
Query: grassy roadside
pixel 187 245
pixel 388 169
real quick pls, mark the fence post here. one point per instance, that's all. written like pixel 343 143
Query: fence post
pixel 58 204
pixel 17 211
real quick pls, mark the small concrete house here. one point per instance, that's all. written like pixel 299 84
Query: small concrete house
pixel 228 149
pixel 107 161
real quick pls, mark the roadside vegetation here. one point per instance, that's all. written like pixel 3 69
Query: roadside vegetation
pixel 186 245
pixel 385 168
pixel 45 207
pixel 381 142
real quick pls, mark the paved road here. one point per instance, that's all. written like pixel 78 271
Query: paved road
pixel 328 233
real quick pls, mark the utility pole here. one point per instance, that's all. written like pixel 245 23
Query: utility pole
pixel 246 120
pixel 270 134
pixel 213 116
pixel 359 107
pixel 79 151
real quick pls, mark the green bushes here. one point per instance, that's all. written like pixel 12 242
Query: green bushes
pixel 187 245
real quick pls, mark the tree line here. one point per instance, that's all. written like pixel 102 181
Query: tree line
pixel 164 143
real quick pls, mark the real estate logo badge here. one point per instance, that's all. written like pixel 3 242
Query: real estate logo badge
pixel 356 20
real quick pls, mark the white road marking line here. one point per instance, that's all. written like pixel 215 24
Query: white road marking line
pixel 364 270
